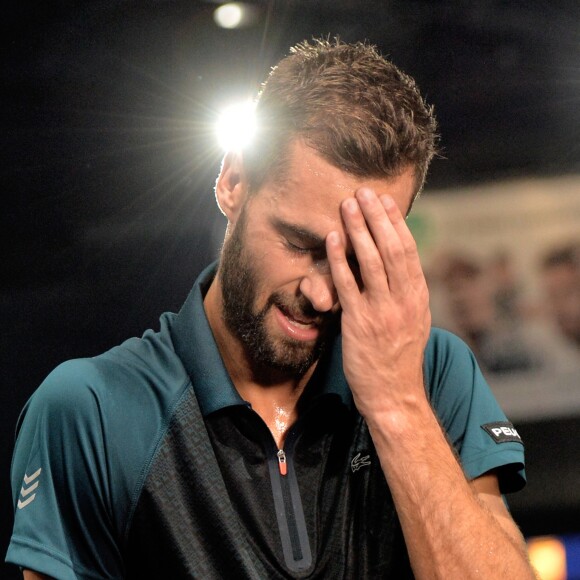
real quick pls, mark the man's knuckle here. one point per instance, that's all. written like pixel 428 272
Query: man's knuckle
pixel 410 246
pixel 395 251
pixel 349 285
pixel 374 265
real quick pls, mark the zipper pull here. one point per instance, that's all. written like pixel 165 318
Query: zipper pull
pixel 282 462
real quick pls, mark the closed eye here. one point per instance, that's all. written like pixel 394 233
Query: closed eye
pixel 318 253
pixel 297 249
pixel 300 240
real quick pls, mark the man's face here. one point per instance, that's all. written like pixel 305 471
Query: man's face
pixel 278 296
pixel 562 285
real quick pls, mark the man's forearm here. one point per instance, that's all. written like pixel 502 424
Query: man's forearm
pixel 449 532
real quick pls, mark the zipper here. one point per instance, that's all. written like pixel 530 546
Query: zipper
pixel 282 465
pixel 288 505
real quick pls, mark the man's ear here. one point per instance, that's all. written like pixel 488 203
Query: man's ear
pixel 231 186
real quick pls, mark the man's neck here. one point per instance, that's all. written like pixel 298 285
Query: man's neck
pixel 274 396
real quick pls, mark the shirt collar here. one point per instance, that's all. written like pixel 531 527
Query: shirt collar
pixel 196 347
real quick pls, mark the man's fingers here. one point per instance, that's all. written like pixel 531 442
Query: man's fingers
pixel 384 222
pixel 370 261
pixel 342 275
pixel 383 244
pixel 409 246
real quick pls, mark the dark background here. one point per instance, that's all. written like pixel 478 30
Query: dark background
pixel 108 161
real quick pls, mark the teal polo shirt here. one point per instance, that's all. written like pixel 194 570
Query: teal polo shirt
pixel 146 461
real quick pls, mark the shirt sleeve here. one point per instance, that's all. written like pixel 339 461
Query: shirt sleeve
pixel 475 424
pixel 64 526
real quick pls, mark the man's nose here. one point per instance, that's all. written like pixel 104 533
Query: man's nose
pixel 317 286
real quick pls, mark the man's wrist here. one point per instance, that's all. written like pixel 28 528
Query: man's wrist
pixel 407 412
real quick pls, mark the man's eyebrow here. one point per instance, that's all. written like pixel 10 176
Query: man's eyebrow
pixel 299 232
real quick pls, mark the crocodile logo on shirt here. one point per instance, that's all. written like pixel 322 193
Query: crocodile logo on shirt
pixel 28 489
pixel 358 462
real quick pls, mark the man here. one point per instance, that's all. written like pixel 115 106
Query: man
pixel 248 438
pixel 496 340
pixel 560 270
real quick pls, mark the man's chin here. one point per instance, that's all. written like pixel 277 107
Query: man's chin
pixel 287 357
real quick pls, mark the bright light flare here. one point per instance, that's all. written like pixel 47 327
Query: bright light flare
pixel 229 15
pixel 236 15
pixel 548 557
pixel 236 126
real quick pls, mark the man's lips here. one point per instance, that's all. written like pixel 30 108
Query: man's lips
pixel 299 317
pixel 297 327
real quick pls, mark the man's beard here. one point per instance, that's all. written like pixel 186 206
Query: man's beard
pixel 239 285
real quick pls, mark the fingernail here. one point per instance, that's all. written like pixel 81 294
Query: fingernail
pixel 350 205
pixel 333 238
pixel 365 194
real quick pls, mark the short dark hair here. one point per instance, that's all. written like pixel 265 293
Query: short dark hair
pixel 351 105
